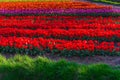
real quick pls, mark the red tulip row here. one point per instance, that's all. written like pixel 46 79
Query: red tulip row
pixel 78 33
pixel 52 44
pixel 60 24
pixel 61 34
pixel 60 19
pixel 73 21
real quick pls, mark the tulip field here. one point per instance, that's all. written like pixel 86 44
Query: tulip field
pixel 59 39
pixel 65 28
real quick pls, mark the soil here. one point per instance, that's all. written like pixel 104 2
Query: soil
pixel 110 60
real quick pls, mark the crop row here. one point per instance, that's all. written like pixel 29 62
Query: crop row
pixel 45 19
pixel 26 25
pixel 15 45
pixel 55 8
pixel 80 12
pixel 62 23
pixel 71 34
pixel 47 5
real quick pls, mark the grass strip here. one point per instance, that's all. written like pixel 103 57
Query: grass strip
pixel 108 2
pixel 39 68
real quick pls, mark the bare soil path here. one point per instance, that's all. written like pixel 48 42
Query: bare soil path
pixel 111 60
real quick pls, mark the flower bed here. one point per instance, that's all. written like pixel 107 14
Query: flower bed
pixel 62 35
pixel 55 8
pixel 55 46
pixel 28 28
pixel 60 22
pixel 47 5
pixel 94 34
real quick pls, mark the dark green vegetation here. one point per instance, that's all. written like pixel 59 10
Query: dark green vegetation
pixel 107 14
pixel 114 2
pixel 26 68
pixel 65 52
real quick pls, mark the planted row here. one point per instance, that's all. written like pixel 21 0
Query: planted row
pixel 70 12
pixel 61 47
pixel 63 23
pixel 72 34
pixel 48 5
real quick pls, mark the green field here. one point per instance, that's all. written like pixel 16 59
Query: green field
pixel 114 2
